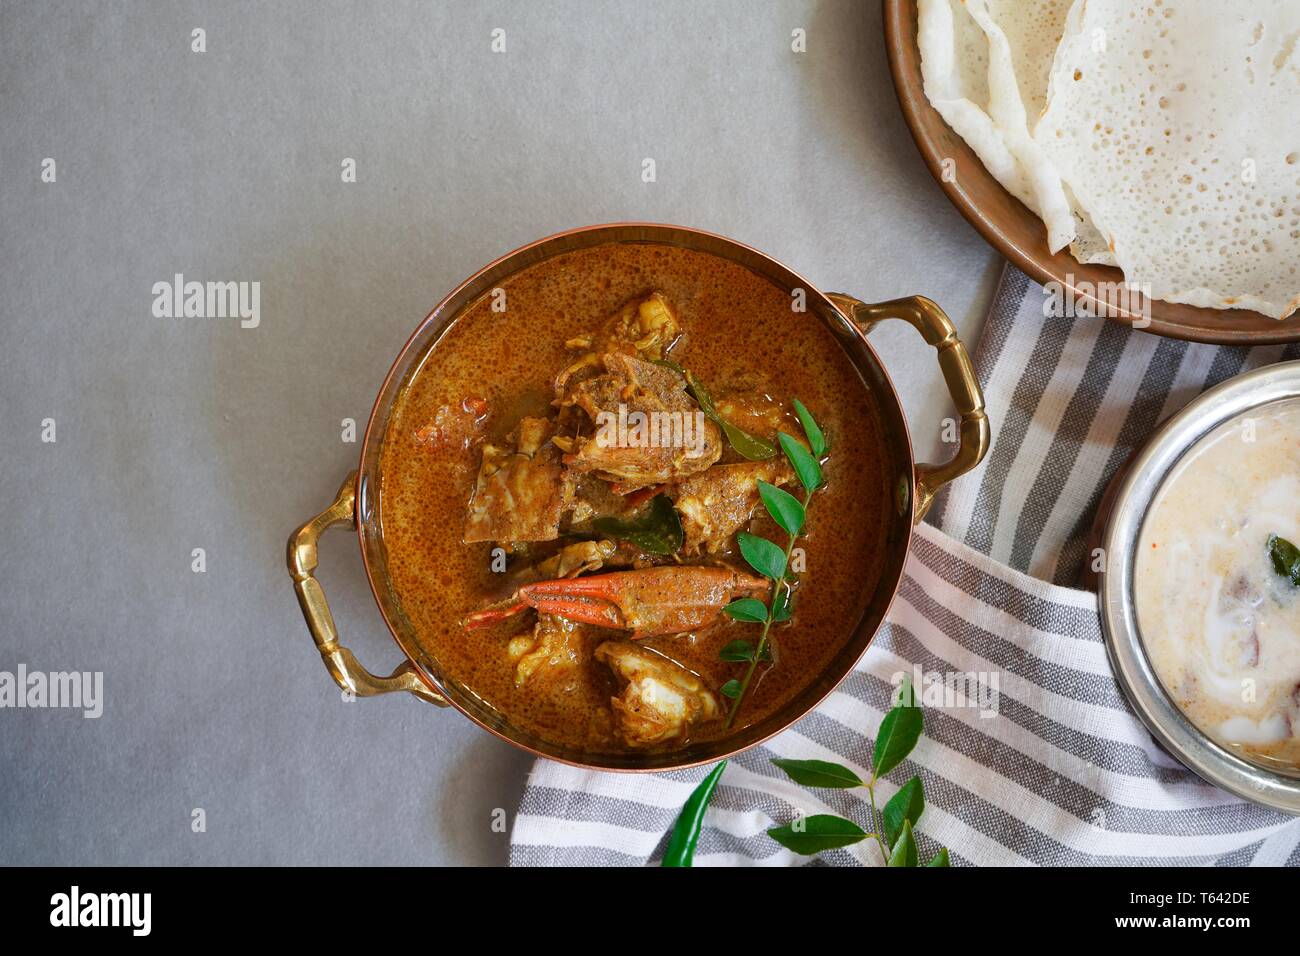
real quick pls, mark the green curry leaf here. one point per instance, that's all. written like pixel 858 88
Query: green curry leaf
pixel 763 556
pixel 784 507
pixel 816 440
pixel 905 806
pixel 1286 558
pixel 746 445
pixel 781 602
pixel 656 530
pixel 805 465
pixel 737 651
pixel 751 610
pixel 809 835
pixel 898 734
pixel 819 773
pixel 904 852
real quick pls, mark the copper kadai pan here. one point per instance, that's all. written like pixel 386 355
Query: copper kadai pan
pixel 850 320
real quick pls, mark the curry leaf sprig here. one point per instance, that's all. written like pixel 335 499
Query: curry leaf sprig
pixel 769 560
pixel 892 825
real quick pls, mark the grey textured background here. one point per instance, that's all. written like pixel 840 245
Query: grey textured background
pixel 175 434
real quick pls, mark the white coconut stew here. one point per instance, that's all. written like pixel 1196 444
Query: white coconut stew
pixel 1217 585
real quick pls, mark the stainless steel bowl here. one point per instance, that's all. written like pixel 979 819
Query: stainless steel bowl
pixel 1133 496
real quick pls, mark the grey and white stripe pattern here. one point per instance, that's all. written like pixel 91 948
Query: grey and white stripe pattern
pixel 1059 771
pixel 1069 401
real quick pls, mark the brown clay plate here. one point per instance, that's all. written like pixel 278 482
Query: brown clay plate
pixel 1019 235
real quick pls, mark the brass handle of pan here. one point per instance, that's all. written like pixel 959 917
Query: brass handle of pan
pixel 958 372
pixel 339 661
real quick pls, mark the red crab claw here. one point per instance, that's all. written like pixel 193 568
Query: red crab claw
pixel 649 601
pixel 498 612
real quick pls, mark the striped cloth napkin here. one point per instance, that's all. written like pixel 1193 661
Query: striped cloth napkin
pixel 1034 757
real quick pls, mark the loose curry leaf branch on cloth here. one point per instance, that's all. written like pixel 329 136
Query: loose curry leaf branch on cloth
pixel 892 827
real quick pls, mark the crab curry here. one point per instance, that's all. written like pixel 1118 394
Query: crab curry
pixel 565 476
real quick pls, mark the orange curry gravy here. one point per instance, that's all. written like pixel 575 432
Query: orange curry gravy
pixel 738 330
